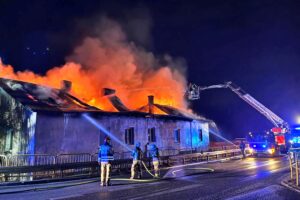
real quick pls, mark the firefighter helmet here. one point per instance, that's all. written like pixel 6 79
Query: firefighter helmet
pixel 107 139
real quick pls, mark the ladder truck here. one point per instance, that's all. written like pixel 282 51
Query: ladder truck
pixel 277 133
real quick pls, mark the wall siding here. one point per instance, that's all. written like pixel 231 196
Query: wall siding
pixel 71 133
pixel 18 120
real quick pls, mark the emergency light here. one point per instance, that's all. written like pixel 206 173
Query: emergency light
pixel 296 140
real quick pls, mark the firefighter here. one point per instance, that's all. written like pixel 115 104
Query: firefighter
pixel 105 156
pixel 154 154
pixel 136 166
pixel 242 147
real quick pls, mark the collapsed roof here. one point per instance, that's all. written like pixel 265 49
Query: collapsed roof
pixel 39 97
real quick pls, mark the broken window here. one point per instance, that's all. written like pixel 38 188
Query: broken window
pixel 177 135
pixel 129 136
pixel 151 135
pixel 200 135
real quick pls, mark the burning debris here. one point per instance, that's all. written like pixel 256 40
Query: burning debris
pixel 43 98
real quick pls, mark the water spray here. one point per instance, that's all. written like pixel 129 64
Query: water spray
pixel 215 131
pixel 100 127
pixel 219 136
pixel 112 136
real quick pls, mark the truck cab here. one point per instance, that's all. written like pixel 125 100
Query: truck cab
pixel 262 143
pixel 294 136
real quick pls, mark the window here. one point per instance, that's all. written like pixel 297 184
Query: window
pixel 151 135
pixel 129 136
pixel 9 141
pixel 200 135
pixel 177 135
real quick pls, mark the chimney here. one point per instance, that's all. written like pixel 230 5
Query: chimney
pixel 66 86
pixel 108 91
pixel 150 103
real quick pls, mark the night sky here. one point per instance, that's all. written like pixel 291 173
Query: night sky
pixel 255 44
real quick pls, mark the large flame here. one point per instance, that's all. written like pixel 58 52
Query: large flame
pixel 110 61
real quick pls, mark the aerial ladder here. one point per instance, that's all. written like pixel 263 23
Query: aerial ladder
pixel 281 127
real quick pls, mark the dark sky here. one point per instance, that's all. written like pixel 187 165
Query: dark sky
pixel 254 43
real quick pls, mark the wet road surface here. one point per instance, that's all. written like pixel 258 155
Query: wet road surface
pixel 251 178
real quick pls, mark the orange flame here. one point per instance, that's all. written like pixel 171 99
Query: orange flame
pixel 112 62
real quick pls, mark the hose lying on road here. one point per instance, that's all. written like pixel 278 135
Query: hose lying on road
pixel 200 168
pixel 81 183
pixel 147 170
pixel 116 179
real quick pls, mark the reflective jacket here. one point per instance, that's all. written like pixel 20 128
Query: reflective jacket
pixel 154 154
pixel 137 153
pixel 106 153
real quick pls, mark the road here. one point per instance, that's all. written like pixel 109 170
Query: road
pixel 251 178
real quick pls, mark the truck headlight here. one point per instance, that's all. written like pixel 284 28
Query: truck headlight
pixel 271 151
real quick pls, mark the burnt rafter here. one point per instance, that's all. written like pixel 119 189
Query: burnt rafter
pixel 38 97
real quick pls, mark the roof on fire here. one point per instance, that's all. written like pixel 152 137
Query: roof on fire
pixel 39 97
pixel 42 98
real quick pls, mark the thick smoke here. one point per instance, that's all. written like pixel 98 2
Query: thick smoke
pixel 108 59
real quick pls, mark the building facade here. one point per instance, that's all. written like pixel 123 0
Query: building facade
pixel 40 120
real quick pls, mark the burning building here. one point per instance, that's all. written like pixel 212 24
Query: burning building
pixel 37 119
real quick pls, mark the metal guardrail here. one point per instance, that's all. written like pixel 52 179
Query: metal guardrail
pixel 73 158
pixel 294 155
pixel 169 152
pixel 220 148
pixel 46 159
pixel 33 167
pixel 203 156
pixel 3 161
pixel 30 160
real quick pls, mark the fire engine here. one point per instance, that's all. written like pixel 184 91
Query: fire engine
pixel 294 136
pixel 270 141
pixel 263 143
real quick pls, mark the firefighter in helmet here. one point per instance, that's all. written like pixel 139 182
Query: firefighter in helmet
pixel 154 154
pixel 105 156
pixel 136 166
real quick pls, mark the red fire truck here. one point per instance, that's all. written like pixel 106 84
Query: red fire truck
pixel 280 129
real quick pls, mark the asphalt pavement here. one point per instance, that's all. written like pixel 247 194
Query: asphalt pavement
pixel 250 178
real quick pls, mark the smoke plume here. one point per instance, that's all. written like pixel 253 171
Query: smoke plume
pixel 109 60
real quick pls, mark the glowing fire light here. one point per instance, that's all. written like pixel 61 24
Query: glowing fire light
pixel 110 61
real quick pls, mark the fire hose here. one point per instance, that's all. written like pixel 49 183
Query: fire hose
pixel 147 170
pixel 96 180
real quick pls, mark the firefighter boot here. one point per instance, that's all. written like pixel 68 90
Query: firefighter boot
pixel 108 183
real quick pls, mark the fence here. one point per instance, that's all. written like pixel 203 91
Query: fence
pixel 169 152
pixel 203 156
pixel 30 160
pixel 220 148
pixel 3 161
pixel 294 155
pixel 46 159
pixel 34 167
pixel 73 158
